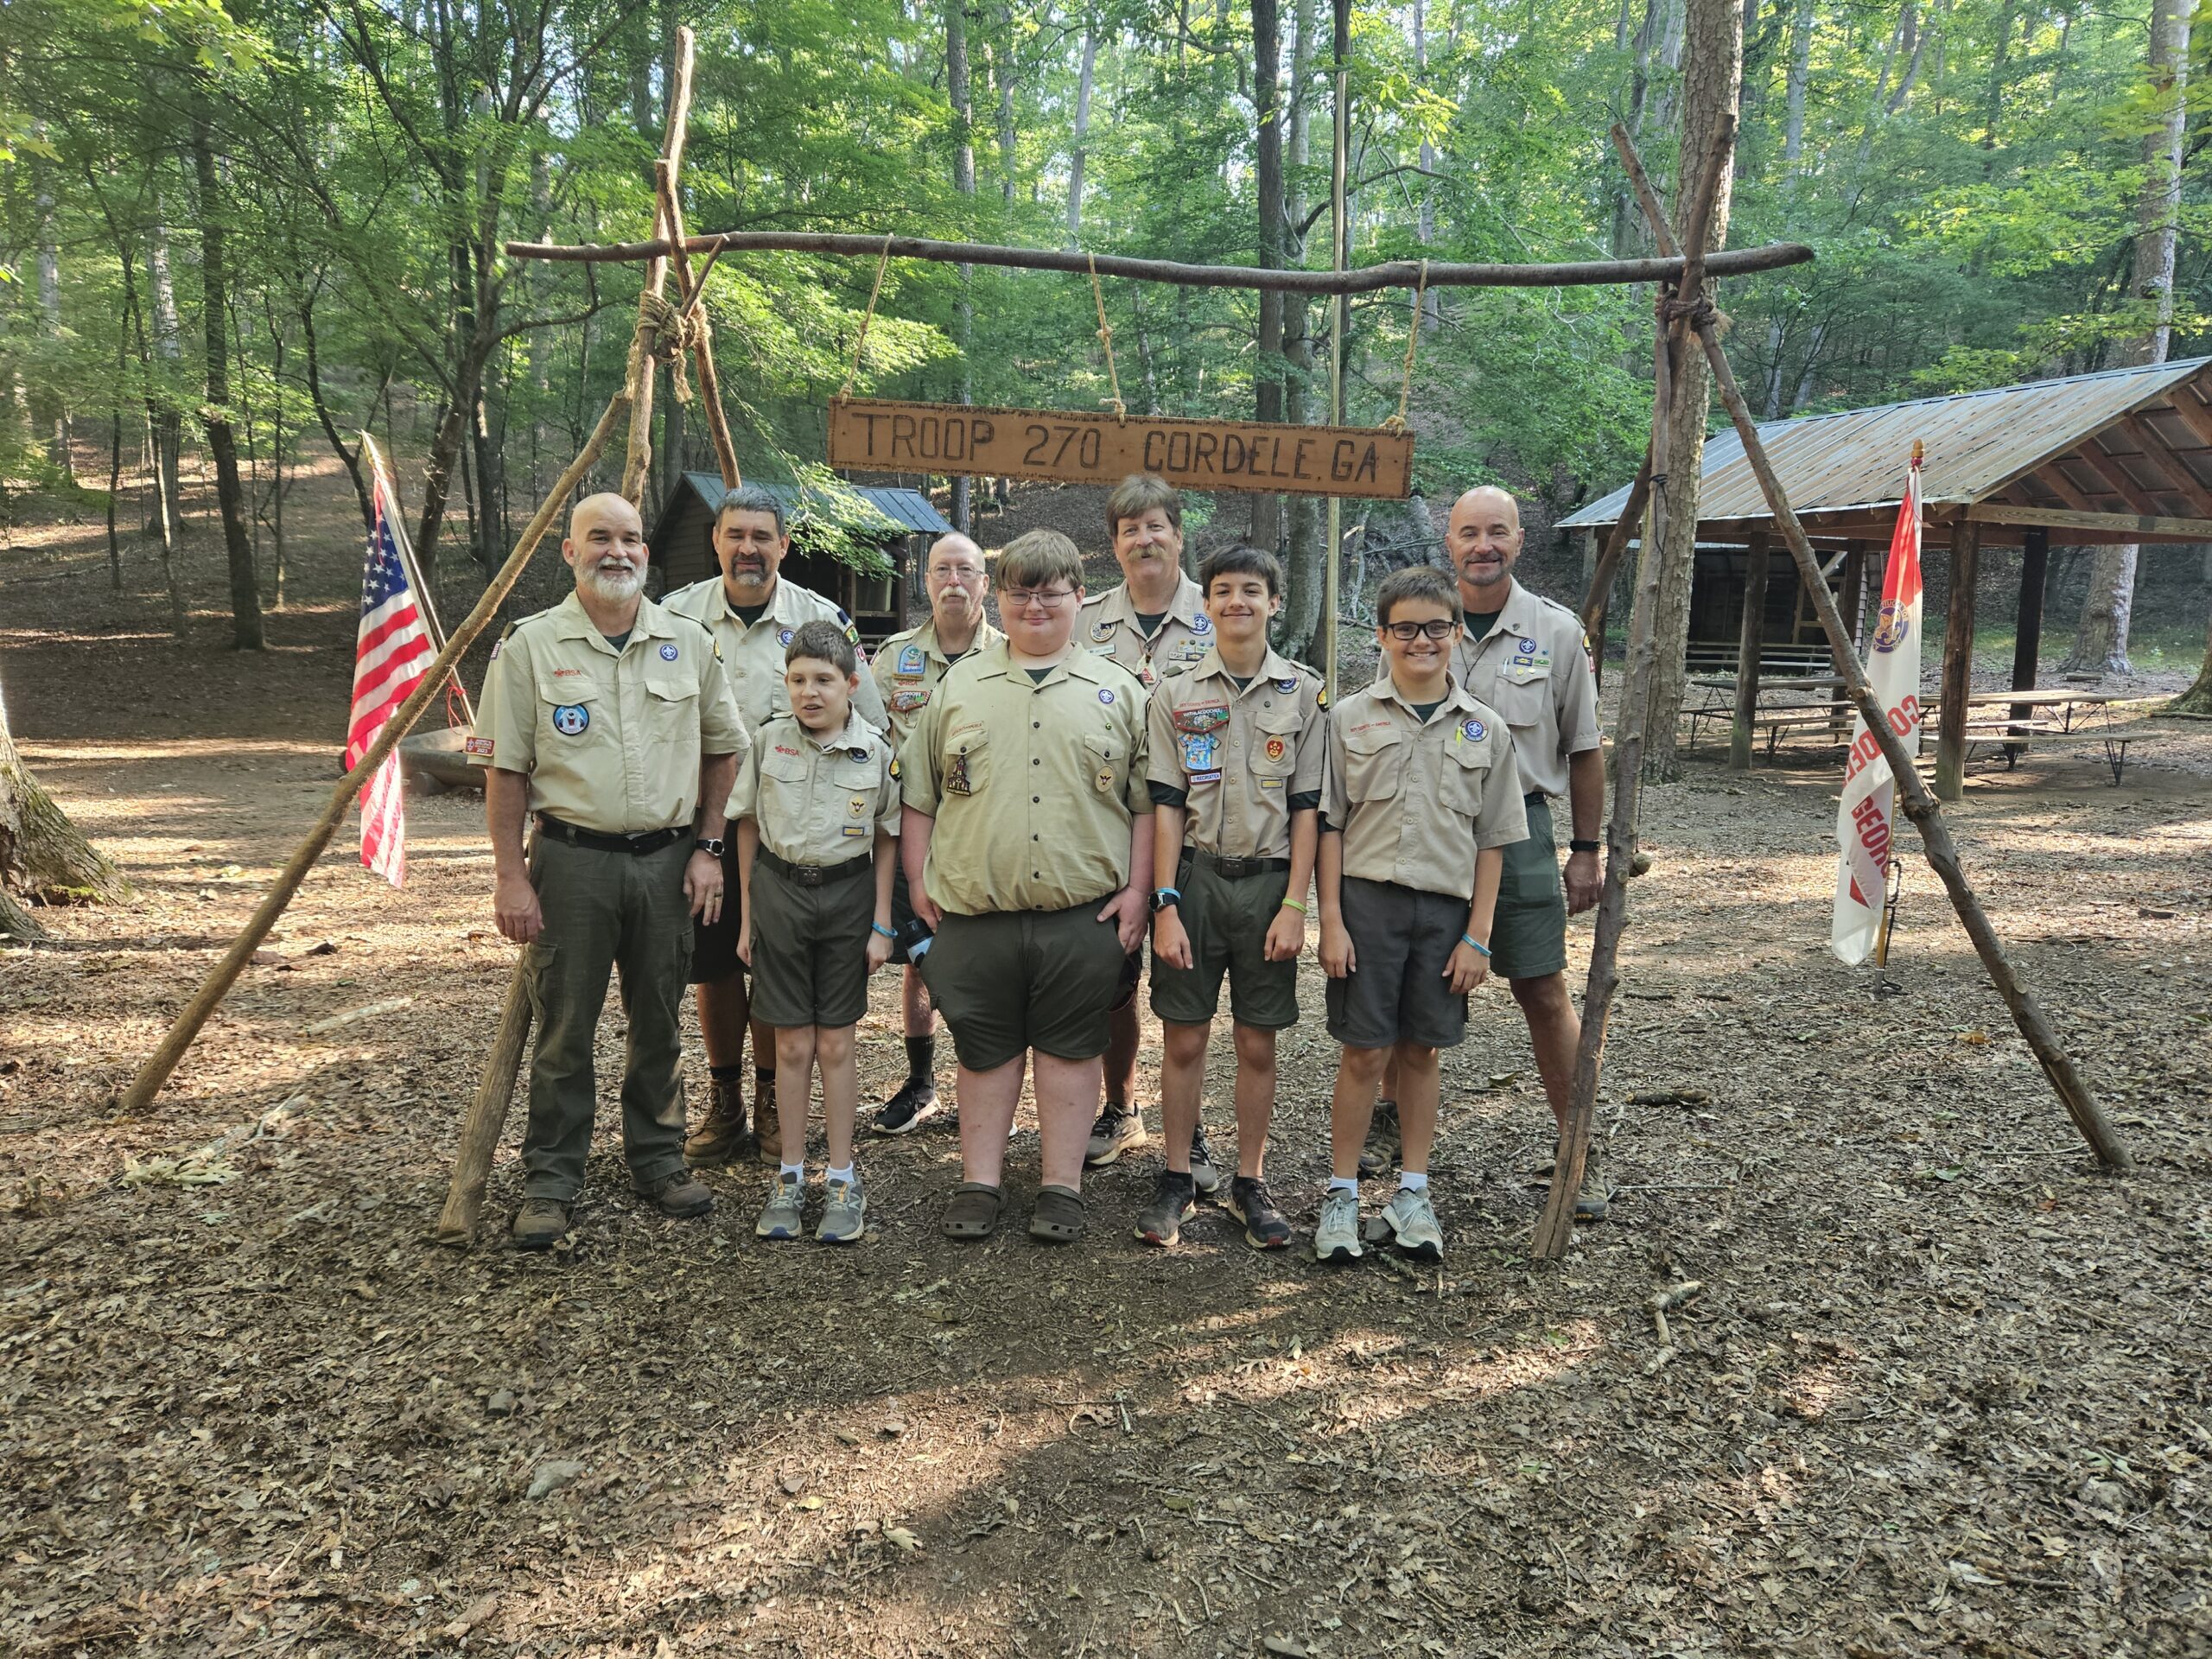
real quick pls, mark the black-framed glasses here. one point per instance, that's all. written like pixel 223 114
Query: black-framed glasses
pixel 1021 598
pixel 1442 628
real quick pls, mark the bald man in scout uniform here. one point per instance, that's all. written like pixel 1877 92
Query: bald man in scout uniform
pixel 1028 846
pixel 1155 626
pixel 609 719
pixel 753 613
pixel 908 670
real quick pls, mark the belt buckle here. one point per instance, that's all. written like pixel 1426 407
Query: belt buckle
pixel 807 875
pixel 1234 868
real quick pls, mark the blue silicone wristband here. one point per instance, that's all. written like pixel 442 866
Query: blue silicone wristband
pixel 878 927
pixel 1469 938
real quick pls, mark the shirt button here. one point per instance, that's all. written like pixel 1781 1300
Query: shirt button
pixel 1038 762
pixel 1036 800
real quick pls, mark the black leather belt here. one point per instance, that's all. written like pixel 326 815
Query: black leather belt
pixel 816 875
pixel 1236 869
pixel 636 846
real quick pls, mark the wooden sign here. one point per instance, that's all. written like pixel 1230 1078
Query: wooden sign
pixel 1074 446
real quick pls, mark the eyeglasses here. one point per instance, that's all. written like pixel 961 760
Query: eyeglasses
pixel 960 573
pixel 1442 628
pixel 1021 599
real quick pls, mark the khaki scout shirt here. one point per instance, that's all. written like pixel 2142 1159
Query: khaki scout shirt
pixel 754 656
pixel 1416 802
pixel 816 802
pixel 1033 785
pixel 1239 756
pixel 909 666
pixel 611 739
pixel 1108 624
pixel 1534 669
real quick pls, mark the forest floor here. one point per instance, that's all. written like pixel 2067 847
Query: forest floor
pixel 1942 1389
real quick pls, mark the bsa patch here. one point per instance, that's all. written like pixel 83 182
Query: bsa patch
pixel 860 754
pixel 1102 630
pixel 1892 627
pixel 572 719
pixel 955 776
pixel 1201 717
pixel 482 746
pixel 783 636
pixel 1528 646
pixel 1106 694
pixel 1277 748
pixel 857 807
pixel 911 660
pixel 1288 686
pixel 1202 752
pixel 668 654
pixel 1104 780
pixel 1473 731
pixel 1202 625
pixel 905 702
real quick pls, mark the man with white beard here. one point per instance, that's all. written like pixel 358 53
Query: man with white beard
pixel 611 720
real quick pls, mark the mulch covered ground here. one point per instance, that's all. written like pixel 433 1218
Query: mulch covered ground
pixel 1930 1385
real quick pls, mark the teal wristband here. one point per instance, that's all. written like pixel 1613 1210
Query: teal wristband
pixel 1469 938
pixel 878 927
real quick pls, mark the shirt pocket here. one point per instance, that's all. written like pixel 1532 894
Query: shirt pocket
pixel 966 763
pixel 575 712
pixel 1274 743
pixel 854 786
pixel 1521 696
pixel 1375 764
pixel 1466 773
pixel 671 711
pixel 1106 759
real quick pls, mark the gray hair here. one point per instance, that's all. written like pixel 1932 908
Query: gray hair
pixel 751 498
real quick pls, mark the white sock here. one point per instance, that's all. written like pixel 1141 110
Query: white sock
pixel 791 1173
pixel 1343 1184
pixel 1412 1180
pixel 844 1173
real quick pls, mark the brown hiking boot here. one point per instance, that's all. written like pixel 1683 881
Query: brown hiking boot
pixel 540 1223
pixel 770 1148
pixel 722 1138
pixel 678 1194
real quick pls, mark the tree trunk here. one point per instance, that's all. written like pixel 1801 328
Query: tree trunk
pixel 214 304
pixel 1002 67
pixel 959 87
pixel 1433 302
pixel 42 856
pixel 1303 570
pixel 1712 49
pixel 50 416
pixel 1086 81
pixel 1267 364
pixel 2198 700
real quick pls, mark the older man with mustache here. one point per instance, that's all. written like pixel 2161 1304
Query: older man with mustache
pixel 610 719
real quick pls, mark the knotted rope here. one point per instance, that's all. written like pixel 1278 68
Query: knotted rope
pixel 1106 338
pixel 669 331
pixel 1397 424
pixel 881 265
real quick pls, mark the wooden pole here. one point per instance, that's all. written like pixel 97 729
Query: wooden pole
pixel 158 1065
pixel 639 377
pixel 487 1116
pixel 2027 637
pixel 1598 595
pixel 1749 639
pixel 702 348
pixel 1340 321
pixel 1368 279
pixel 1957 664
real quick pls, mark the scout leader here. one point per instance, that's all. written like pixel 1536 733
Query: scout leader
pixel 610 719
pixel 907 670
pixel 1421 793
pixel 1237 749
pixel 753 614
pixel 1027 849
pixel 1154 625
pixel 1527 657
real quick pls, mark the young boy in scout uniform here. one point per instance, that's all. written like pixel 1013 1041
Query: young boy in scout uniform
pixel 1421 793
pixel 1027 850
pixel 610 719
pixel 1155 626
pixel 1236 749
pixel 753 614
pixel 907 670
pixel 816 808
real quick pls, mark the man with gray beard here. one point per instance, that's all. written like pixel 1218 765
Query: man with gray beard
pixel 610 719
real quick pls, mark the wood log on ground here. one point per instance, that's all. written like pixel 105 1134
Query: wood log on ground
pixel 487 1116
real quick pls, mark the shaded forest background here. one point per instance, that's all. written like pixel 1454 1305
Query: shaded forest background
pixel 234 235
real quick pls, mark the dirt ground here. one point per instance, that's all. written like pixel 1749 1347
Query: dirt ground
pixel 1941 1388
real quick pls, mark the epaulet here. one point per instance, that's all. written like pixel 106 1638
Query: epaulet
pixel 1553 605
pixel 692 620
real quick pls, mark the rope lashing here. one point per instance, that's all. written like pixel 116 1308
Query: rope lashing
pixel 670 331
pixel 1397 424
pixel 860 340
pixel 1697 311
pixel 1106 338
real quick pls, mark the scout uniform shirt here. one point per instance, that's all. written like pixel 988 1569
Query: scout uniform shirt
pixel 1242 760
pixel 1108 624
pixel 754 655
pixel 1417 800
pixel 611 739
pixel 1032 784
pixel 1534 668
pixel 909 666
pixel 818 801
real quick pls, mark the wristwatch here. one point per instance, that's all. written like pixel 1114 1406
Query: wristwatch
pixel 1162 898
pixel 1585 846
pixel 712 844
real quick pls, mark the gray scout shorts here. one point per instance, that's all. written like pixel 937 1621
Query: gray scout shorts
pixel 1528 937
pixel 1227 923
pixel 1396 993
pixel 809 948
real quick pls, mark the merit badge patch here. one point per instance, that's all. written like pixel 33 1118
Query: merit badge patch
pixel 911 660
pixel 1106 694
pixel 1473 731
pixel 1201 752
pixel 668 654
pixel 1277 748
pixel 482 746
pixel 572 719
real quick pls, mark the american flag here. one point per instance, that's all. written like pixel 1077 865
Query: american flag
pixel 389 654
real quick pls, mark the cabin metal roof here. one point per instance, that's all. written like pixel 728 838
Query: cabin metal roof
pixel 908 511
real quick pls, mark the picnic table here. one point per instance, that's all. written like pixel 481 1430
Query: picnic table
pixel 1786 705
pixel 1993 722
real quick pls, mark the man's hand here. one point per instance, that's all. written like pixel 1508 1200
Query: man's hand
pixel 879 950
pixel 1171 941
pixel 1584 880
pixel 702 886
pixel 1466 969
pixel 1285 936
pixel 1126 910
pixel 745 941
pixel 514 906
pixel 925 907
pixel 1337 959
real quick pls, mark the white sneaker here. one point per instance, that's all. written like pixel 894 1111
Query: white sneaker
pixel 1412 1221
pixel 1337 1237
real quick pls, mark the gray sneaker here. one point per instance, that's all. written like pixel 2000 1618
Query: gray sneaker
pixel 784 1215
pixel 1118 1130
pixel 1205 1173
pixel 1337 1237
pixel 1411 1219
pixel 844 1211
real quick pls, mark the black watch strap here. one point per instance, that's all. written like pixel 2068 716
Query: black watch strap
pixel 709 844
pixel 1579 845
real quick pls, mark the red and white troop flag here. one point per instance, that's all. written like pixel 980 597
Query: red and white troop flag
pixel 390 653
pixel 1862 819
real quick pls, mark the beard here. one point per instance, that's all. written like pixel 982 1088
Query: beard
pixel 614 582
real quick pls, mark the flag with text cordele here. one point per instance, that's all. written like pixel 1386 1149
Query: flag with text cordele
pixel 390 652
pixel 1864 819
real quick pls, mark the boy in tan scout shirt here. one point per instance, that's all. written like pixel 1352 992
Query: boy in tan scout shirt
pixel 816 808
pixel 1237 750
pixel 1421 793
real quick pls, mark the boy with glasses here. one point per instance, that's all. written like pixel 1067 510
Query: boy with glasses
pixel 1421 792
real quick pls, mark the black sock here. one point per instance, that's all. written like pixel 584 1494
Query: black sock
pixel 921 1059
pixel 728 1073
pixel 765 1083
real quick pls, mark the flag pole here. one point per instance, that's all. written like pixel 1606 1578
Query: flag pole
pixel 424 601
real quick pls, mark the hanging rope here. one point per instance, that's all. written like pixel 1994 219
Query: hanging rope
pixel 1106 338
pixel 881 265
pixel 668 333
pixel 1397 424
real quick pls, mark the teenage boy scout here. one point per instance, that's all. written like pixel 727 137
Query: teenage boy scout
pixel 1028 850
pixel 753 613
pixel 610 719
pixel 908 670
pixel 1155 626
